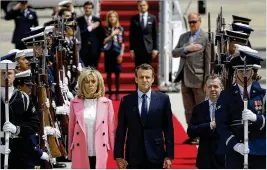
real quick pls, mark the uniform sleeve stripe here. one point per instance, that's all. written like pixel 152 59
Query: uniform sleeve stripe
pixel 263 122
pixel 227 141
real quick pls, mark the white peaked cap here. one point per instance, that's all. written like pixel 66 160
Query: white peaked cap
pixel 18 52
pixel 11 65
pixel 64 2
pixel 245 49
pixel 28 52
pixel 36 28
pixel 26 73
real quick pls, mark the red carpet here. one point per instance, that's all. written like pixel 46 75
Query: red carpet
pixel 185 155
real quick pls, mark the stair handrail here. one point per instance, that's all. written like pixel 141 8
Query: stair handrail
pixel 172 25
pixel 97 9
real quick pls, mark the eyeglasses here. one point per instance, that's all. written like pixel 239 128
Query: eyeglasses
pixel 192 22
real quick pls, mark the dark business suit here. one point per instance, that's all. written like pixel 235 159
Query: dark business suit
pixel 145 141
pixel 208 156
pixel 143 40
pixel 23 23
pixel 91 42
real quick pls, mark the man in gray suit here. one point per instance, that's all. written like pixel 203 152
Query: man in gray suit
pixel 194 50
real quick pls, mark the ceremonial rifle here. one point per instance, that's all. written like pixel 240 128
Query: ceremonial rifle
pixel 211 41
pixel 7 134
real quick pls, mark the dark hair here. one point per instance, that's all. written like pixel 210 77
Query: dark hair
pixel 139 1
pixel 88 3
pixel 144 67
pixel 23 2
pixel 213 77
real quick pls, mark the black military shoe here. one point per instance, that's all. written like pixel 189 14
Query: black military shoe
pixel 59 165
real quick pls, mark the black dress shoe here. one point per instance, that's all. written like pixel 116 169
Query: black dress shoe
pixel 191 141
pixel 63 159
pixel 59 165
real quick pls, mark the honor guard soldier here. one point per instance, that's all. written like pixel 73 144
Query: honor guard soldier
pixel 233 37
pixel 23 120
pixel 231 113
pixel 23 82
pixel 20 58
pixel 245 28
pixel 24 19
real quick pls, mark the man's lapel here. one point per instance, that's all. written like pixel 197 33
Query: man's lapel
pixel 153 102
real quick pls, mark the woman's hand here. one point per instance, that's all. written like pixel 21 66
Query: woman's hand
pixel 119 58
pixel 115 31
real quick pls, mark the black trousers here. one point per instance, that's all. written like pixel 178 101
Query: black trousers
pixel 92 160
pixel 146 163
pixel 91 58
pixel 142 57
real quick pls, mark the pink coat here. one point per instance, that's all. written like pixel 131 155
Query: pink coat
pixel 104 135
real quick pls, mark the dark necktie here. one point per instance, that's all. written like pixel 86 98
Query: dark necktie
pixel 142 21
pixel 144 108
pixel 213 111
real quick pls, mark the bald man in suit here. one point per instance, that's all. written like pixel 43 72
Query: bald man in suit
pixel 194 50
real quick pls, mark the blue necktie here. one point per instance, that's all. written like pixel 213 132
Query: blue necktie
pixel 144 108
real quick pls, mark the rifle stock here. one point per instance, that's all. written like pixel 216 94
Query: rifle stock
pixel 52 116
pixel 55 152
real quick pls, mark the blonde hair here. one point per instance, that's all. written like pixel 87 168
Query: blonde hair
pixel 107 18
pixel 100 91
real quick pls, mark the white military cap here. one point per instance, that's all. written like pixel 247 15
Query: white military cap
pixel 11 65
pixel 19 53
pixel 65 2
pixel 36 28
pixel 26 73
pixel 28 52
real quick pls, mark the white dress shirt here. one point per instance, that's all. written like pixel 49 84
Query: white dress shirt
pixel 10 92
pixel 90 119
pixel 145 17
pixel 140 100
pixel 88 19
pixel 242 90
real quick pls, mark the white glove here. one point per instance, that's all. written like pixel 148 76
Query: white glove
pixel 52 131
pixel 45 156
pixel 9 127
pixel 63 110
pixel 70 95
pixel 2 150
pixel 44 137
pixel 65 80
pixel 249 115
pixel 47 103
pixel 80 67
pixel 240 148
pixel 54 104
pixel 69 74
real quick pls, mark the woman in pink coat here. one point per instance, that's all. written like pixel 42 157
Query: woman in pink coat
pixel 91 124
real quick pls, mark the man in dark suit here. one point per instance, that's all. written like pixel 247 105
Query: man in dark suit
pixel 193 49
pixel 92 36
pixel 143 35
pixel 145 115
pixel 24 19
pixel 202 125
